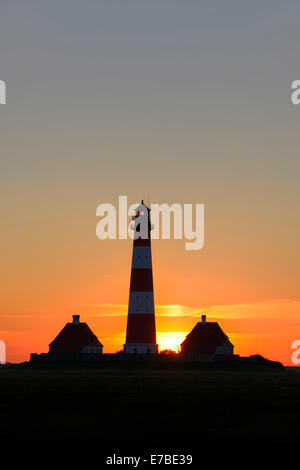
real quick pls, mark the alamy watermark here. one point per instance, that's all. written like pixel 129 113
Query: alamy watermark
pixel 296 354
pixel 295 96
pixel 2 352
pixel 2 92
pixel 188 222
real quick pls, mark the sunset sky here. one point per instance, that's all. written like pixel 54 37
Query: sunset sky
pixel 168 101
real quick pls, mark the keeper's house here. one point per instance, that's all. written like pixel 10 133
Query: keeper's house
pixel 76 341
pixel 207 342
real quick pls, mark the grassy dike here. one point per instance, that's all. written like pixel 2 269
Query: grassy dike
pixel 142 406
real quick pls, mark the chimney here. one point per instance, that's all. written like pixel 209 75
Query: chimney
pixel 76 319
pixel 203 319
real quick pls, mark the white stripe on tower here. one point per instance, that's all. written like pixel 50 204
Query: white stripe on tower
pixel 141 302
pixel 141 334
pixel 141 257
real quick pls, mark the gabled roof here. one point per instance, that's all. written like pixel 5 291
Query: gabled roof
pixel 73 337
pixel 205 338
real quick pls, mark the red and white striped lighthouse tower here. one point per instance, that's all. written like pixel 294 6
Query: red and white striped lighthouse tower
pixel 141 333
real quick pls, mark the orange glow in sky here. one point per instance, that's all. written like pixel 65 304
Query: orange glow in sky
pixel 171 340
pixel 267 328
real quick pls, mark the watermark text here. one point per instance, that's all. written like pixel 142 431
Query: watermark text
pixel 2 92
pixel 2 352
pixel 188 222
pixel 296 354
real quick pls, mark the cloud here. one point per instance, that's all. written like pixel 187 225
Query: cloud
pixel 105 310
pixel 271 309
pixel 109 310
pixel 280 309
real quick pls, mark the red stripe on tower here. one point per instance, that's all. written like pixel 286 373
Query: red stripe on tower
pixel 141 333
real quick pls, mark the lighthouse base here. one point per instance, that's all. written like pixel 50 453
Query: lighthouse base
pixel 140 348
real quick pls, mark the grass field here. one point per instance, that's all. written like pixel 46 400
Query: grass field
pixel 141 405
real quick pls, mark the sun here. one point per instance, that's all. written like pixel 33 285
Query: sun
pixel 171 340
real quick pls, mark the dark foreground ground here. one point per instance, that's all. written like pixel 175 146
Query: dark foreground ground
pixel 135 408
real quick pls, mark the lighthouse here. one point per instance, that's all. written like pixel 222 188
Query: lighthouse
pixel 141 333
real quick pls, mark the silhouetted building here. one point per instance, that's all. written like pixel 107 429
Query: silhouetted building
pixel 75 341
pixel 141 333
pixel 206 342
pixel 75 337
